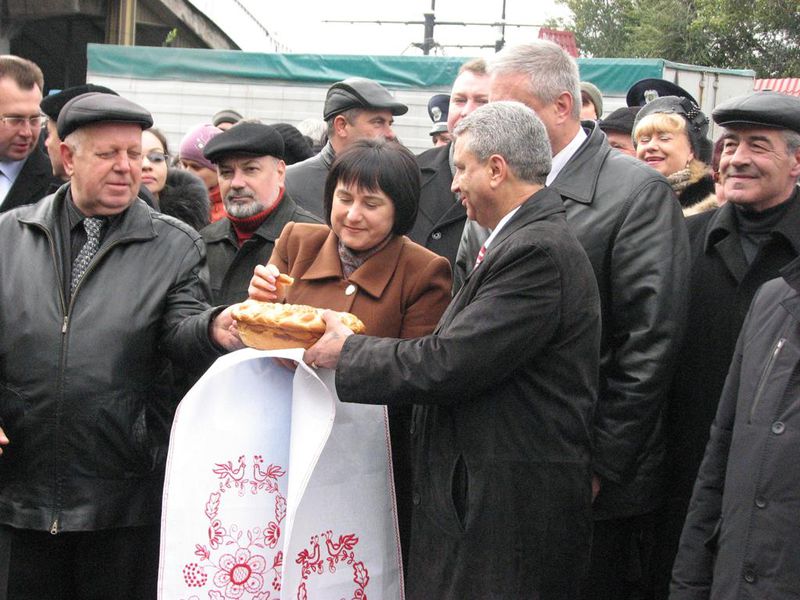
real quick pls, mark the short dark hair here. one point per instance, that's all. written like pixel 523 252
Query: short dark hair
pixel 24 72
pixel 379 165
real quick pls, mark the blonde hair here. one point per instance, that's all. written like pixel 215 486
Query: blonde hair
pixel 660 123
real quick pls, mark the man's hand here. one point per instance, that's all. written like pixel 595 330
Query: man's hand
pixel 325 353
pixel 3 439
pixel 263 285
pixel 223 331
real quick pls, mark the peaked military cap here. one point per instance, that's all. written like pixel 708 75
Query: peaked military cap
pixel 647 90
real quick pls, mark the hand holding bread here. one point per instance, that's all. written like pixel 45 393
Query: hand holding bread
pixel 266 283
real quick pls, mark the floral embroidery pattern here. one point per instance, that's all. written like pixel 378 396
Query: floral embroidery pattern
pixel 236 557
pixel 233 561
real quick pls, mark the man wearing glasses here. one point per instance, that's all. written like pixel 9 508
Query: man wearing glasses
pixel 25 173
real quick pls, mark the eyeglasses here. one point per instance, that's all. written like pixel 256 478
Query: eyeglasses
pixel 156 157
pixel 15 121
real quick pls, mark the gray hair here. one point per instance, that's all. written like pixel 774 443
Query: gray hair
pixel 792 139
pixel 550 71
pixel 513 131
pixel 350 115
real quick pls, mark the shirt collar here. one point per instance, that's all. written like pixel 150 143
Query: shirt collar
pixel 11 169
pixel 500 225
pixel 567 152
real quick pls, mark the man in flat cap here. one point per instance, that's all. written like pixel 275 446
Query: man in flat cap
pixel 735 249
pixel 355 109
pixel 99 293
pixel 249 159
pixel 24 169
pixel 618 127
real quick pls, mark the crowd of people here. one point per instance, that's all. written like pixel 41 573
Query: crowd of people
pixel 585 328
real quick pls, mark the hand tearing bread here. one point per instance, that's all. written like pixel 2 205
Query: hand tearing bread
pixel 273 326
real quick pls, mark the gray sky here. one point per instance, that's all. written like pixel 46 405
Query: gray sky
pixel 298 24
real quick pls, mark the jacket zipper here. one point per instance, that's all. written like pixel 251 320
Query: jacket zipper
pixel 54 523
pixel 765 376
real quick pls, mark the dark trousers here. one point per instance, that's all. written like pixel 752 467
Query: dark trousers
pixel 621 561
pixel 91 565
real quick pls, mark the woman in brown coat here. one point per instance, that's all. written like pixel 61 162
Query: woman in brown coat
pixel 362 263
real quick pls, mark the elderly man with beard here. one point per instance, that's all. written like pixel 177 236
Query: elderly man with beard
pixel 249 159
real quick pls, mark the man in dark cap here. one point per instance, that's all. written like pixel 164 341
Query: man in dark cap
pixel 24 169
pixel 249 159
pixel 618 127
pixel 98 293
pixel 735 249
pixel 438 105
pixel 355 109
pixel 591 102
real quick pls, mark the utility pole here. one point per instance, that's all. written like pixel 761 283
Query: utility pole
pixel 429 24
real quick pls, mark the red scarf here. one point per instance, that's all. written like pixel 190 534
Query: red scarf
pixel 246 227
pixel 217 209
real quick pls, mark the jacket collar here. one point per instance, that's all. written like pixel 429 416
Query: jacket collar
pixel 372 277
pixel 328 155
pixel 578 179
pixel 723 224
pixel 543 204
pixel 135 223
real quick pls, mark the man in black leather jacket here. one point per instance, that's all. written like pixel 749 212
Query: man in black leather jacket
pixel 84 416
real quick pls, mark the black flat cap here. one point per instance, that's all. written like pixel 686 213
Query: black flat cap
pixel 95 107
pixel 357 92
pixel 620 120
pixel 646 90
pixel 227 115
pixel 245 139
pixel 763 109
pixel 51 105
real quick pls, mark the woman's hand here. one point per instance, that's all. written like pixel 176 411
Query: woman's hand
pixel 263 285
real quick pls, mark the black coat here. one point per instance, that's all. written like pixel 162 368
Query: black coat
pixel 742 534
pixel 230 267
pixel 501 442
pixel 440 218
pixel 34 182
pixel 305 181
pixel 82 394
pixel 722 285
pixel 627 218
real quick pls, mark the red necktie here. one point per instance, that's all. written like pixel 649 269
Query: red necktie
pixel 481 254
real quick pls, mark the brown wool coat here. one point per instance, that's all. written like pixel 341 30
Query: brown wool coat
pixel 401 291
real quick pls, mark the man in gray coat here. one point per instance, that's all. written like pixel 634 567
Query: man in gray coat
pixel 355 109
pixel 630 224
pixel 506 384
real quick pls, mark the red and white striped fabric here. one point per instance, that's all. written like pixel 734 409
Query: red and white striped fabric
pixel 275 489
pixel 787 85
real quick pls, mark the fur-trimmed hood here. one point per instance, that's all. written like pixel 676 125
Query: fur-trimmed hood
pixel 185 197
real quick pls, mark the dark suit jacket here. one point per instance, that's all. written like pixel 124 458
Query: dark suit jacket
pixel 507 385
pixel 33 183
pixel 440 219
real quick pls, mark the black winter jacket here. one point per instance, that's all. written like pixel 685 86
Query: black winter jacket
pixel 81 395
pixel 741 539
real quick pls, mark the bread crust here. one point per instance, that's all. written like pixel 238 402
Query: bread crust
pixel 273 326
